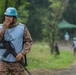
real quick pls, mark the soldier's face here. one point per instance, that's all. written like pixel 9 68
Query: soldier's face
pixel 10 19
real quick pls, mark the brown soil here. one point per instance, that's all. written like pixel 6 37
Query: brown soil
pixel 71 70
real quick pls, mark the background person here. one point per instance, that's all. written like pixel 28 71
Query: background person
pixel 56 49
pixel 74 45
pixel 66 37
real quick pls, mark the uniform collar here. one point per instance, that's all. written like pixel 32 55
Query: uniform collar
pixel 13 25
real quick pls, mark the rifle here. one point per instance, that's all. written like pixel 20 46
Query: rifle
pixel 10 49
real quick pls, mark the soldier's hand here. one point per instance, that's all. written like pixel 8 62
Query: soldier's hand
pixel 19 56
pixel 5 25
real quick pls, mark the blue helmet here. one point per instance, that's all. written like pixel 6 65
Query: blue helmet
pixel 74 38
pixel 11 12
pixel 66 33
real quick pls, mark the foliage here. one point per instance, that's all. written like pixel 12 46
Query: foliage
pixel 51 20
pixel 46 23
pixel 11 3
pixel 2 2
pixel 37 14
pixel 23 14
pixel 70 13
pixel 39 57
pixel 70 16
pixel 57 8
pixel 2 7
pixel 34 21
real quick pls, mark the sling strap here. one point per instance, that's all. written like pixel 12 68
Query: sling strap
pixel 10 49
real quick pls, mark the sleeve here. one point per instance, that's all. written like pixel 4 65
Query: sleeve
pixel 27 41
pixel 1 34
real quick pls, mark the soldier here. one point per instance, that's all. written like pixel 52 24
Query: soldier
pixel 74 45
pixel 56 49
pixel 18 34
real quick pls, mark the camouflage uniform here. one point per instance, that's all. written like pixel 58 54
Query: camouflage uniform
pixel 15 68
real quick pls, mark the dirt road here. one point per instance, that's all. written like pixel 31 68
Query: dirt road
pixel 71 70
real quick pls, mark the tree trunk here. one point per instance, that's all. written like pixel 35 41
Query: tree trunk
pixel 52 46
pixel 6 5
pixel 17 3
pixel 53 40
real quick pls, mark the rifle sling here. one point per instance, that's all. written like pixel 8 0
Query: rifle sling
pixel 10 49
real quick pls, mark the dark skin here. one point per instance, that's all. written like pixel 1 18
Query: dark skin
pixel 6 24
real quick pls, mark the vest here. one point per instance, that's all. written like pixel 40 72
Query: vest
pixel 15 36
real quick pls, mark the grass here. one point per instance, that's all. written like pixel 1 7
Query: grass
pixel 40 57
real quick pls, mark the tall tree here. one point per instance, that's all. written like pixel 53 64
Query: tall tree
pixel 17 3
pixel 6 5
pixel 50 22
pixel 2 7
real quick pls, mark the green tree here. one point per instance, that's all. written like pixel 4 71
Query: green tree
pixel 23 14
pixel 51 20
pixel 70 13
pixel 34 21
pixel 3 5
pixel 70 16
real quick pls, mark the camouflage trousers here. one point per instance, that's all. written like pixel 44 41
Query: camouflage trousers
pixel 12 68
